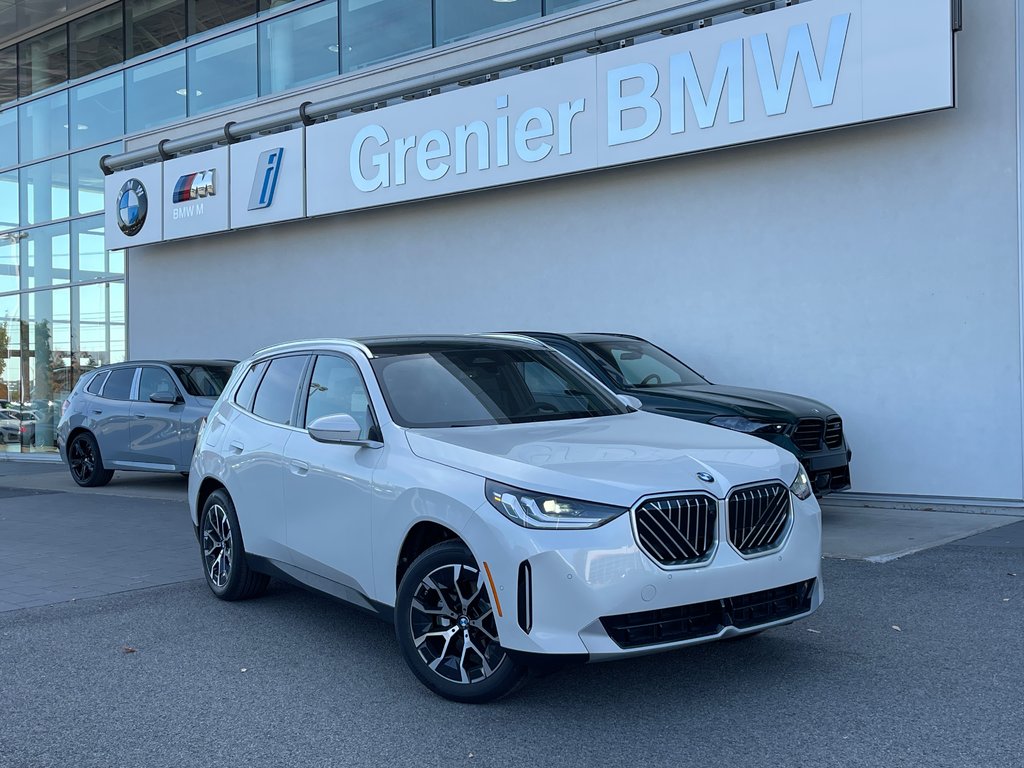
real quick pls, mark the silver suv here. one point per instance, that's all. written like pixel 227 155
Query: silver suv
pixel 141 415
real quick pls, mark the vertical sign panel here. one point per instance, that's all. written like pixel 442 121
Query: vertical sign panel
pixel 267 179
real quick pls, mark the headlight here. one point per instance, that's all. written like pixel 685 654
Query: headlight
pixel 541 510
pixel 801 486
pixel 750 426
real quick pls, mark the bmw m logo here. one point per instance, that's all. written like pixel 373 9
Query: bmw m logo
pixel 193 186
pixel 705 477
pixel 132 207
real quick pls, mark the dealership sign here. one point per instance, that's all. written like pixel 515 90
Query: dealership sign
pixel 809 67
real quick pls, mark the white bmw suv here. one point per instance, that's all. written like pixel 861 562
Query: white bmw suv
pixel 498 504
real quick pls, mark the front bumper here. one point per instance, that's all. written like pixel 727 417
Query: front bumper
pixel 581 584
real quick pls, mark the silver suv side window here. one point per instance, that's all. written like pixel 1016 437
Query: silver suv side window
pixel 154 380
pixel 275 398
pixel 119 384
pixel 337 387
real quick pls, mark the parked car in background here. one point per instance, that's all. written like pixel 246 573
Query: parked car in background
pixel 141 415
pixel 17 426
pixel 811 430
pixel 500 506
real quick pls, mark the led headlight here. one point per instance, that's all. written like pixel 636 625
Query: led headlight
pixel 801 486
pixel 542 510
pixel 750 426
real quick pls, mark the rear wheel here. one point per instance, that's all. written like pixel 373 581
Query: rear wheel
pixel 220 542
pixel 85 462
pixel 446 629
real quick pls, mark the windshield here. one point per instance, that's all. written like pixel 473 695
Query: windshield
pixel 472 387
pixel 203 379
pixel 636 364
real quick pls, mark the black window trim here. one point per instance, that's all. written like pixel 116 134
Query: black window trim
pixel 250 369
pixel 373 431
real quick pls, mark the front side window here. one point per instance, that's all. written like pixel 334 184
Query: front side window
pixel 155 381
pixel 275 397
pixel 204 379
pixel 462 387
pixel 337 387
pixel 639 365
pixel 119 384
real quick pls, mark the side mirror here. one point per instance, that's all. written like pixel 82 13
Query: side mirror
pixel 339 428
pixel 167 398
pixel 633 403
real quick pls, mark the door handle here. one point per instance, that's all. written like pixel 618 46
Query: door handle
pixel 299 467
pixel 140 415
pixel 236 446
pixel 97 411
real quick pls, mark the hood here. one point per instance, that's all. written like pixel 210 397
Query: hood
pixel 612 459
pixel 718 400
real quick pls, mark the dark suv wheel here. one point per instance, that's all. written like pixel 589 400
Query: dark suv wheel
pixel 85 462
pixel 446 628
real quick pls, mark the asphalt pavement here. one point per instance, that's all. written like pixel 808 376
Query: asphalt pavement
pixel 915 661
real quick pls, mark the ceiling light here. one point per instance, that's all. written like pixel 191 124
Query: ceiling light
pixel 333 48
pixel 183 92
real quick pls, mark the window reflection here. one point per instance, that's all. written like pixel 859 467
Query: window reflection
pixel 9 267
pixel 97 41
pixel 457 19
pixel 554 6
pixel 8 74
pixel 299 48
pixel 97 111
pixel 8 201
pixel 374 30
pixel 43 127
pixel 89 260
pixel 46 257
pixel 43 61
pixel 152 24
pixel 8 137
pixel 222 72
pixel 87 179
pixel 155 92
pixel 210 14
pixel 45 192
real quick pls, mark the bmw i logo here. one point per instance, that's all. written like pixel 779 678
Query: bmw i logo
pixel 705 477
pixel 132 207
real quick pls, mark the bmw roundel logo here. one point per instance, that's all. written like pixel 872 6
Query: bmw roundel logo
pixel 131 207
pixel 705 477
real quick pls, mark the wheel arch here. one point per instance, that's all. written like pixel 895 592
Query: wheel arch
pixel 421 537
pixel 206 488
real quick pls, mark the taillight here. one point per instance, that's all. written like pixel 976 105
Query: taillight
pixel 22 429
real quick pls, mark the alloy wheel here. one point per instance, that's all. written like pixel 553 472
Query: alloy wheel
pixel 217 546
pixel 453 625
pixel 82 459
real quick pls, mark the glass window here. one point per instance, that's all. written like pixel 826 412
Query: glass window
pixel 97 41
pixel 572 353
pixel 119 384
pixel 337 387
pixel 43 127
pixel 373 30
pixel 554 6
pixel 276 395
pixel 243 397
pixel 10 268
pixel 10 346
pixel 155 93
pixel 87 179
pixel 45 192
pixel 155 380
pixel 43 61
pixel 9 200
pixel 46 378
pixel 8 137
pixel 204 379
pixel 299 48
pixel 100 330
pixel 272 5
pixel 89 259
pixel 8 75
pixel 209 14
pixel 96 384
pixel 97 111
pixel 152 24
pixel 46 257
pixel 222 72
pixel 641 364
pixel 461 18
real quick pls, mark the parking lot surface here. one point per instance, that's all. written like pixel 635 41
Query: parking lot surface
pixel 913 661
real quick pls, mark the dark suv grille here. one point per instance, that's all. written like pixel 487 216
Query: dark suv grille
pixel 757 517
pixel 688 622
pixel 679 530
pixel 834 432
pixel 808 434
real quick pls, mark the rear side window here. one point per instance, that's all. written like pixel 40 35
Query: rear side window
pixel 275 398
pixel 119 384
pixel 243 397
pixel 97 383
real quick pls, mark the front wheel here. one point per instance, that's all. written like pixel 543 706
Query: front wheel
pixel 86 463
pixel 446 628
pixel 220 541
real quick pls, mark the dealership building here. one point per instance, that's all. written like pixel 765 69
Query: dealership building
pixel 820 197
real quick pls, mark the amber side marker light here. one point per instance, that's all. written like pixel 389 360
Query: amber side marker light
pixel 497 602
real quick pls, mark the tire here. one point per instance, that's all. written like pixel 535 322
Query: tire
pixel 86 463
pixel 223 553
pixel 458 655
